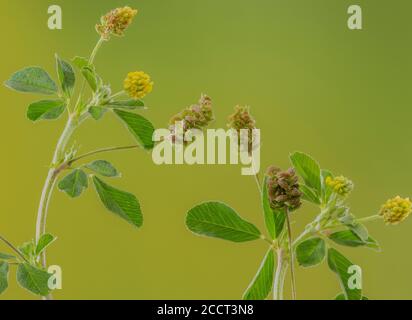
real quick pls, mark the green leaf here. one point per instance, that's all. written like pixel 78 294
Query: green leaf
pixel 80 62
pixel 33 279
pixel 308 169
pixel 340 265
pixel 91 77
pixel 126 104
pixel 119 202
pixel 274 219
pixel 97 112
pixel 341 296
pixel 216 219
pixel 44 241
pixel 74 183
pixel 33 80
pixel 4 276
pixel 311 252
pixel 140 127
pixel 308 194
pixel 45 110
pixel 360 230
pixel 267 211
pixel 66 76
pixel 103 167
pixel 261 285
pixel 351 239
pixel 28 249
pixel 5 256
pixel 326 190
pixel 280 219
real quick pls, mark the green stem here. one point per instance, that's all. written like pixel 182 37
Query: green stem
pixel 308 230
pixel 52 176
pixel 292 262
pixel 369 219
pixel 11 246
pixel 117 94
pixel 58 157
pixel 95 49
pixel 267 240
pixel 258 183
pixel 280 275
pixel 91 153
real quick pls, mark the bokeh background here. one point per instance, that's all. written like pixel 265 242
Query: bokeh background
pixel 315 86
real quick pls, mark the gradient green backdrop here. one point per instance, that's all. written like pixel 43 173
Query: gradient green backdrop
pixel 342 96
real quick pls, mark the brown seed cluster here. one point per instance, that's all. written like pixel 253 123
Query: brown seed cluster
pixel 283 189
pixel 242 119
pixel 197 116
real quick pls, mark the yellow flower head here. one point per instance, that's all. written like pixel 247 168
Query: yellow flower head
pixel 396 210
pixel 115 22
pixel 340 185
pixel 138 84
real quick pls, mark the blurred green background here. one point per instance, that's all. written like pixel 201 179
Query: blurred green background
pixel 315 86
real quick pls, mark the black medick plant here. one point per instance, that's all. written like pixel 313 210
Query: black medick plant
pixel 282 194
pixel 70 99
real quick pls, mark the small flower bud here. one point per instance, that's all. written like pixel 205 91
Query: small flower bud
pixel 197 116
pixel 138 84
pixel 283 189
pixel 115 22
pixel 396 210
pixel 340 185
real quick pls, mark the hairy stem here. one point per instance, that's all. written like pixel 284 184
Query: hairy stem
pixel 118 94
pixel 302 236
pixel 51 179
pixel 280 274
pixel 369 219
pixel 292 258
pixel 58 158
pixel 12 247
pixel 95 49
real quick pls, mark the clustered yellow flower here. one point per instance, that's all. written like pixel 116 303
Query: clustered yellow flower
pixel 396 210
pixel 138 84
pixel 115 22
pixel 341 185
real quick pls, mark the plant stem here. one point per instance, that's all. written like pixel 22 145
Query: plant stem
pixel 91 153
pixel 58 157
pixel 258 183
pixel 271 243
pixel 292 262
pixel 306 232
pixel 95 49
pixel 51 178
pixel 117 94
pixel 90 61
pixel 280 274
pixel 369 219
pixel 11 246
